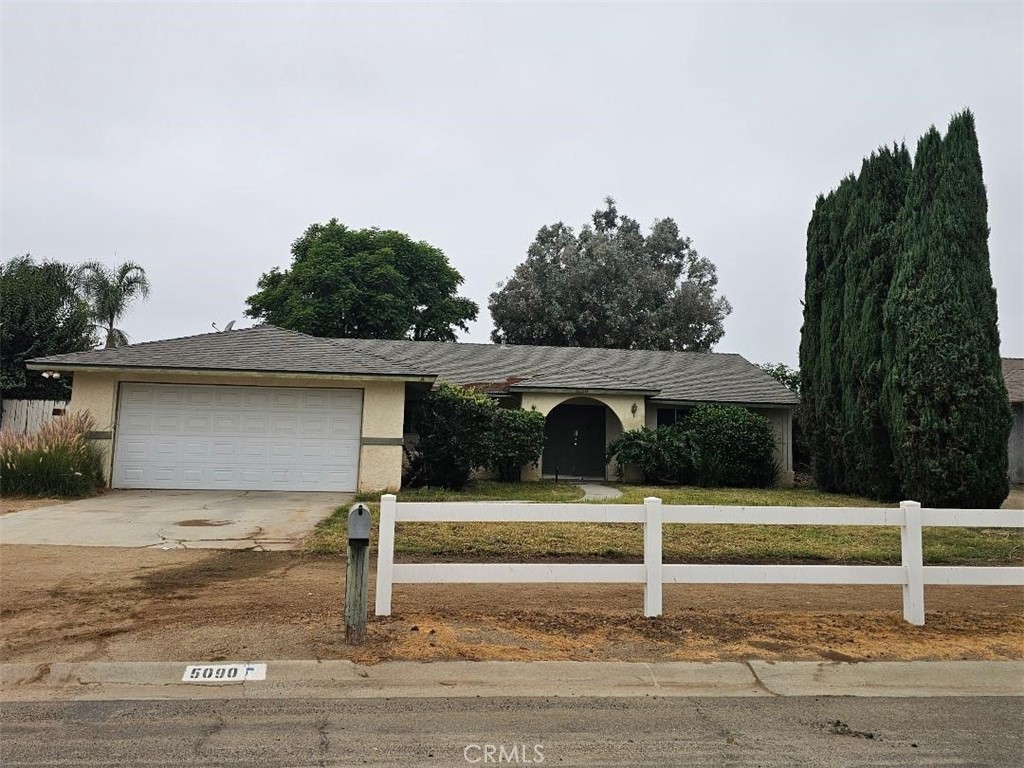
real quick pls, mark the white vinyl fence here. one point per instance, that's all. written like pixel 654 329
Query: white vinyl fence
pixel 911 574
pixel 24 417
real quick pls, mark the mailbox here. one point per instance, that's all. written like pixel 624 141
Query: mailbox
pixel 359 524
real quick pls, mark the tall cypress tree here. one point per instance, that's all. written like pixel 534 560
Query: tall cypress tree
pixel 829 400
pixel 867 452
pixel 947 407
pixel 810 332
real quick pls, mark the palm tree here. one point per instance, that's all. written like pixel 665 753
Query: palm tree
pixel 110 292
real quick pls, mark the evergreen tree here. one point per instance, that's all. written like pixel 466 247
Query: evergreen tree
pixel 947 407
pixel 829 402
pixel 870 252
pixel 810 345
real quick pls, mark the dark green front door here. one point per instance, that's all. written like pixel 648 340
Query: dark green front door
pixel 575 441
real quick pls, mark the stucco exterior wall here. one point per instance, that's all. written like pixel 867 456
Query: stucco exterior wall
pixel 782 428
pixel 380 455
pixel 1016 445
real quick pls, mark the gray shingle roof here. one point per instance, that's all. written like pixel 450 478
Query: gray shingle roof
pixel 670 376
pixel 1013 375
pixel 264 348
pixel 678 376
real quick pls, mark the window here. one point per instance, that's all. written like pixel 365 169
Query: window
pixel 669 416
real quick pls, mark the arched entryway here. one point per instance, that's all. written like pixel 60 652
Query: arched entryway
pixel 577 432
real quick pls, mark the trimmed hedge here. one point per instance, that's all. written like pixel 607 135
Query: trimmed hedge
pixel 732 447
pixel 516 439
pixel 715 445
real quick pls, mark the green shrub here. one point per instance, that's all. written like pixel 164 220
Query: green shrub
pixel 663 455
pixel 715 445
pixel 57 460
pixel 413 472
pixel 516 439
pixel 454 435
pixel 732 447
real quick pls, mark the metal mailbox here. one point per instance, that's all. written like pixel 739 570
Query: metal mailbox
pixel 359 523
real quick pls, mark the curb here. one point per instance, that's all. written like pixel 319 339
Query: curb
pixel 95 681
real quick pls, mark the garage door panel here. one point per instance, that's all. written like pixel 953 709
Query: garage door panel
pixel 169 396
pixel 134 448
pixel 199 397
pixel 343 452
pixel 253 450
pixel 256 425
pixel 138 422
pixel 198 423
pixel 163 450
pixel 168 422
pixel 228 396
pixel 284 425
pixel 258 399
pixel 313 426
pixel 200 436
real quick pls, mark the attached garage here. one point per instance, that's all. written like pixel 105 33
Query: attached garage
pixel 190 436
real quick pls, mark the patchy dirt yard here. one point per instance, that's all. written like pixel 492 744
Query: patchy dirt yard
pixel 79 603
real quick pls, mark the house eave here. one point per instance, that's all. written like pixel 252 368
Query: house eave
pixel 743 403
pixel 185 371
pixel 583 392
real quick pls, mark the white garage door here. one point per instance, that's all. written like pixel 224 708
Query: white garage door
pixel 254 438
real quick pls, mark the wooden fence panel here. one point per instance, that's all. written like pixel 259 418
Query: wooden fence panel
pixel 25 417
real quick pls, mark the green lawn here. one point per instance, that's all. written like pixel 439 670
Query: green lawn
pixel 682 543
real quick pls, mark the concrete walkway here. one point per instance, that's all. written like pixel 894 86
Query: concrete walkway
pixel 598 492
pixel 344 679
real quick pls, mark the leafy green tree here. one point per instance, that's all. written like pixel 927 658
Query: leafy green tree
pixel 516 439
pixel 41 314
pixel 110 292
pixel 611 286
pixel 363 283
pixel 948 410
pixel 782 373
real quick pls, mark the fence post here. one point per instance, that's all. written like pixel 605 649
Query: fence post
pixel 385 553
pixel 912 552
pixel 652 556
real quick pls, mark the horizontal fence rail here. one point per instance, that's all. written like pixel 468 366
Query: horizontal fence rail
pixel 912 575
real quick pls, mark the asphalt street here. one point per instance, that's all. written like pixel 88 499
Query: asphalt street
pixel 639 731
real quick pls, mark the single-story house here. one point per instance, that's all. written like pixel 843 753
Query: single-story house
pixel 1013 375
pixel 265 408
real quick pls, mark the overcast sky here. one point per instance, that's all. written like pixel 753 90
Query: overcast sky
pixel 201 139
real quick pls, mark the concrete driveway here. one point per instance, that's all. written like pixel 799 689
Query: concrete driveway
pixel 268 520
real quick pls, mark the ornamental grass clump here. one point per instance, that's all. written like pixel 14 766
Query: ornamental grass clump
pixel 57 460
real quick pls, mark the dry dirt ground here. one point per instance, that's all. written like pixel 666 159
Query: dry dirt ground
pixel 91 603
